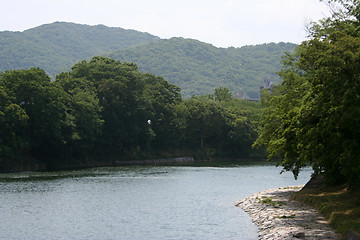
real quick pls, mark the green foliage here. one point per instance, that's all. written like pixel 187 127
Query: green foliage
pixel 204 120
pixel 57 46
pixel 242 121
pixel 138 110
pixel 32 97
pixel 163 98
pixel 197 68
pixel 104 110
pixel 269 201
pixel 222 94
pixel 12 121
pixel 227 127
pixel 83 115
pixel 312 117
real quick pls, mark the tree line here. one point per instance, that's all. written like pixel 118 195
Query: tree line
pixel 104 111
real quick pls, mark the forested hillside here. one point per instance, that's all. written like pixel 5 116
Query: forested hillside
pixel 57 46
pixel 197 67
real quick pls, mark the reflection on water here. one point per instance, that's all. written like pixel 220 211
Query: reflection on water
pixel 134 202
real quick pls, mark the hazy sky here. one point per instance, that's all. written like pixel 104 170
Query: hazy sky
pixel 223 23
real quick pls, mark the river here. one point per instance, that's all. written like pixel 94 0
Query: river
pixel 155 202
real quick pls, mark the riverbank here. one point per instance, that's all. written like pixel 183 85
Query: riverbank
pixel 191 158
pixel 164 161
pixel 338 204
pixel 279 217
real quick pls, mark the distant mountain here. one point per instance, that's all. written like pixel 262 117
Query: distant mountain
pixel 56 47
pixel 198 68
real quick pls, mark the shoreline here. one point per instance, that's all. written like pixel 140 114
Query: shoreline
pixel 170 161
pixel 279 217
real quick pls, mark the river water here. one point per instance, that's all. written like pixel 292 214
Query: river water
pixel 134 202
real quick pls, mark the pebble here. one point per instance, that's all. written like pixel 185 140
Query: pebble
pixel 284 218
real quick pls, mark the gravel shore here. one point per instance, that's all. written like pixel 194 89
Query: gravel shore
pixel 279 217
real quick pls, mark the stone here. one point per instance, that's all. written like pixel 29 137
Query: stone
pixel 299 235
pixel 302 222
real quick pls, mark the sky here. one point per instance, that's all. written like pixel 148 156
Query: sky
pixel 222 23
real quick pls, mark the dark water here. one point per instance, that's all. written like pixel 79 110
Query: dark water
pixel 134 202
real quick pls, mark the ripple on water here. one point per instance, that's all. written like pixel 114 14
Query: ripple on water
pixel 134 202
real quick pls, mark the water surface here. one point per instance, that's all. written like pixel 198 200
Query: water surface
pixel 134 202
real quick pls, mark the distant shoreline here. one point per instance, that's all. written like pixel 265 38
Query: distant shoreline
pixel 279 217
pixel 177 160
pixel 170 161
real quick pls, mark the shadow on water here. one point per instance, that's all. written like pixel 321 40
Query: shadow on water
pixel 149 170
pixel 84 173
pixel 47 176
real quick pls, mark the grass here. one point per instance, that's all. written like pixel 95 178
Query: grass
pixel 338 205
pixel 269 201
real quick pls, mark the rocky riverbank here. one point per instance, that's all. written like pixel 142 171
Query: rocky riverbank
pixel 279 217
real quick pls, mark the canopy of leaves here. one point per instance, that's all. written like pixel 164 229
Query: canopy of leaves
pixel 313 116
pixel 225 127
pixel 104 111
pixel 37 121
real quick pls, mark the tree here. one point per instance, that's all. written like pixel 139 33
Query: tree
pixel 222 94
pixel 223 128
pixel 241 120
pixel 33 96
pixel 204 120
pixel 163 98
pixel 83 116
pixel 138 109
pixel 13 119
pixel 312 117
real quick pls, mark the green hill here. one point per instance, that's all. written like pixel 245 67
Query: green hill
pixel 56 47
pixel 198 68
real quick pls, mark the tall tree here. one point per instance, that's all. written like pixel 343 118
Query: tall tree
pixel 13 120
pixel 137 108
pixel 204 120
pixel 163 98
pixel 312 118
pixel 43 103
pixel 124 109
pixel 83 116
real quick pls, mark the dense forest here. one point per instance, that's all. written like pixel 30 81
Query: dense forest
pixel 312 118
pixel 197 67
pixel 104 111
pixel 56 47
